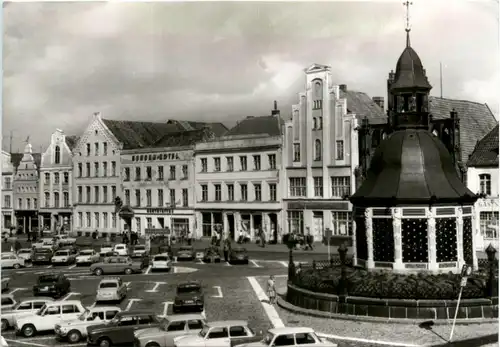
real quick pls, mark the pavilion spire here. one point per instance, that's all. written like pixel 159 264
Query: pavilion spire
pixel 407 4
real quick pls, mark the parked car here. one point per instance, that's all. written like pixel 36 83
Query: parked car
pixel 121 249
pixel 238 255
pixel 63 256
pixel 161 262
pixel 189 296
pixel 221 333
pixel 87 256
pixel 211 255
pixel 64 240
pixel 139 251
pixel 170 327
pixel 8 301
pixel 109 254
pixel 42 256
pixel 5 284
pixel 111 289
pixel 22 308
pixel 106 247
pixel 186 253
pixel 47 243
pixel 76 330
pixel 10 260
pixel 167 250
pixel 54 284
pixel 116 265
pixel 3 343
pixel 26 254
pixel 120 330
pixel 290 337
pixel 48 316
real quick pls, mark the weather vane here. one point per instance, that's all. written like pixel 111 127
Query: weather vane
pixel 407 5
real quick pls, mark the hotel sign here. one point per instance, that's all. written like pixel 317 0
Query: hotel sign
pixel 161 156
pixel 488 203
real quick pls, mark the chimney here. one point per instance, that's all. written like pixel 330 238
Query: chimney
pixel 343 87
pixel 275 111
pixel 379 100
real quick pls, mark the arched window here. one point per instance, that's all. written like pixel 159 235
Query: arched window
pixel 47 199
pixel 66 178
pixel 320 123
pixel 28 204
pixel 56 200
pixel 66 199
pixel 318 92
pixel 57 155
pixel 315 123
pixel 485 184
pixel 317 150
pixel 20 203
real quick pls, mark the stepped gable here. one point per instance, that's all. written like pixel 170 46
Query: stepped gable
pixel 15 159
pixel 486 152
pixel 264 125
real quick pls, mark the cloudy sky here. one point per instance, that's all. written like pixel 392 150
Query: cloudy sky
pixel 224 61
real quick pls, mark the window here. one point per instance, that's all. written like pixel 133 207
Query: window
pixel 88 149
pixel 137 197
pixel 298 186
pixel 217 164
pixel 66 199
pixel 237 331
pixel 127 174
pixel 87 167
pixel 218 192
pixel 488 224
pixel 176 326
pixel 204 192
pixel 80 169
pixel 96 315
pixel 127 197
pixel 96 169
pixel 105 148
pixel 113 168
pixel 195 324
pixel 105 169
pixel 341 223
pixel 70 309
pixel 217 333
pixel 24 306
pixel 243 163
pixel 230 164
pixel 105 219
pixel 258 191
pixel 318 186
pixel 185 172
pixel 160 173
pixel 341 186
pixel 244 192
pixel 485 184
pixel 296 152
pixel 137 173
pixel 320 123
pixel 8 183
pixel 172 197
pixel 340 150
pixel 56 178
pixel 160 197
pixel 317 105
pixel 204 165
pixel 96 148
pixel 57 155
pixel 284 340
pixel 113 218
pixel 295 222
pixel 20 203
pixel 47 178
pixel 56 199
pixel 185 198
pixel 304 338
pixel 66 178
pixel 272 161
pixel 317 150
pixel 7 301
pixel 80 194
pixel 96 219
pixel 230 192
pixel 138 223
pixel 53 310
pixel 28 204
pixel 87 195
pixel 315 124
pixel 105 194
pixel 96 194
pixel 127 321
pixel 149 173
pixel 47 197
pixel 113 193
pixel 87 217
pixel 149 222
pixel 35 203
pixel 256 162
pixel 6 201
pixel 38 304
pixel 148 198
pixel 172 172
pixel 80 219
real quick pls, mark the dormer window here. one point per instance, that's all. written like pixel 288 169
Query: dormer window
pixel 57 155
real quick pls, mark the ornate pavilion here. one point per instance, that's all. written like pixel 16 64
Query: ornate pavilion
pixel 412 212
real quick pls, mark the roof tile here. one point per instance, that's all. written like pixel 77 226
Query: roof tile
pixel 486 151
pixel 270 125
pixel 363 106
pixel 185 138
pixel 71 141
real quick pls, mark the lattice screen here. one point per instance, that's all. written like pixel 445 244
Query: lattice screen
pixel 383 240
pixel 414 240
pixel 361 244
pixel 446 239
pixel 467 241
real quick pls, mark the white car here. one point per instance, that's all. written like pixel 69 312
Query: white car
pixel 3 343
pixel 111 289
pixel 48 316
pixel 290 337
pixel 63 256
pixel 105 248
pixel 221 333
pixel 161 262
pixel 121 249
pixel 139 251
pixel 8 301
pixel 22 308
pixel 76 330
pixel 47 243
pixel 87 256
pixel 64 240
pixel 12 260
pixel 25 253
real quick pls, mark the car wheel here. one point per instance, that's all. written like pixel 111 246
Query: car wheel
pixel 98 271
pixel 5 324
pixel 28 330
pixel 74 336
pixel 152 344
pixel 17 266
pixel 128 271
pixel 104 342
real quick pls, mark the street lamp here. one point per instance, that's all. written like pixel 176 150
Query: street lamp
pixel 291 242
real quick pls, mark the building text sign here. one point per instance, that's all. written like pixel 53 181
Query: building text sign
pixel 162 156
pixel 488 203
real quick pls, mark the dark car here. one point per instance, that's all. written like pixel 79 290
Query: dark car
pixel 189 297
pixel 56 285
pixel 211 255
pixel 238 255
pixel 42 256
pixel 143 258
pixel 120 330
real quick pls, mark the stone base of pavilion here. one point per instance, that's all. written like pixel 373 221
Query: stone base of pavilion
pixel 414 239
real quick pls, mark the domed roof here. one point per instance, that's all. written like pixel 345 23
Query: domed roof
pixel 410 71
pixel 412 167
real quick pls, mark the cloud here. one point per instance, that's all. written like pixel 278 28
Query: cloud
pixel 224 61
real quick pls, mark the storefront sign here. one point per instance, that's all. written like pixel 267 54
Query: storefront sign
pixel 159 210
pixel 162 156
pixel 318 205
pixel 488 203
pixel 154 231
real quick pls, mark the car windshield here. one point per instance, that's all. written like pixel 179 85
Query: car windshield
pixel 86 252
pixel 47 278
pixel 189 249
pixel 188 289
pixel 62 253
pixel 84 315
pixel 107 246
pixel 161 258
pixel 139 248
pixel 204 331
pixel 42 250
pixel 268 338
pixel 108 285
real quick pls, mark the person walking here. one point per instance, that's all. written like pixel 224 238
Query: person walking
pixel 262 236
pixel 271 290
pixel 227 247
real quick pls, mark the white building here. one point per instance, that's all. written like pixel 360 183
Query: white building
pixel 482 178
pixel 237 180
pixel 7 197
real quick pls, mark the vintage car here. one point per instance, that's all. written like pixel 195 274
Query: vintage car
pixel 121 249
pixel 211 255
pixel 25 253
pixel 170 327
pixel 8 301
pixel 64 240
pixel 139 251
pixel 63 256
pixel 5 284
pixel 46 318
pixel 76 330
pixel 290 337
pixel 111 289
pixel 166 249
pixel 10 260
pixel 161 262
pixel 87 256
pixel 42 256
pixel 46 243
pixel 54 284
pixel 186 253
pixel 189 297
pixel 120 330
pixel 107 247
pixel 238 255
pixel 22 308
pixel 221 333
pixel 116 265
pixel 3 343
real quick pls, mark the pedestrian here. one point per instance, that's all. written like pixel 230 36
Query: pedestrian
pixel 309 241
pixel 17 246
pixel 271 290
pixel 262 237
pixel 227 247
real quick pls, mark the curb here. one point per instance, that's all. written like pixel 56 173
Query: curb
pixel 321 314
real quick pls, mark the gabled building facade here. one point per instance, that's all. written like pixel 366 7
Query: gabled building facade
pixel 8 219
pixel 320 153
pixel 56 184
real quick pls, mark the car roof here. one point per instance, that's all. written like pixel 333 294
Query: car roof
pixel 104 308
pixel 189 283
pixel 225 323
pixel 120 244
pixel 87 249
pixel 110 279
pixel 186 316
pixel 37 298
pixel 162 255
pixel 68 302
pixel 136 312
pixel 291 330
pixel 22 249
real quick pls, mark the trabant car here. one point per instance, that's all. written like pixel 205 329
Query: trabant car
pixel 161 262
pixel 63 256
pixel 64 240
pixel 22 308
pixel 221 333
pixel 116 265
pixel 76 330
pixel 26 254
pixel 290 337
pixel 11 260
pixel 121 249
pixel 170 327
pixel 189 297
pixel 238 255
pixel 8 301
pixel 42 255
pixel 111 289
pixel 46 243
pixel 186 253
pixel 139 251
pixel 107 247
pixel 53 284
pixel 87 256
